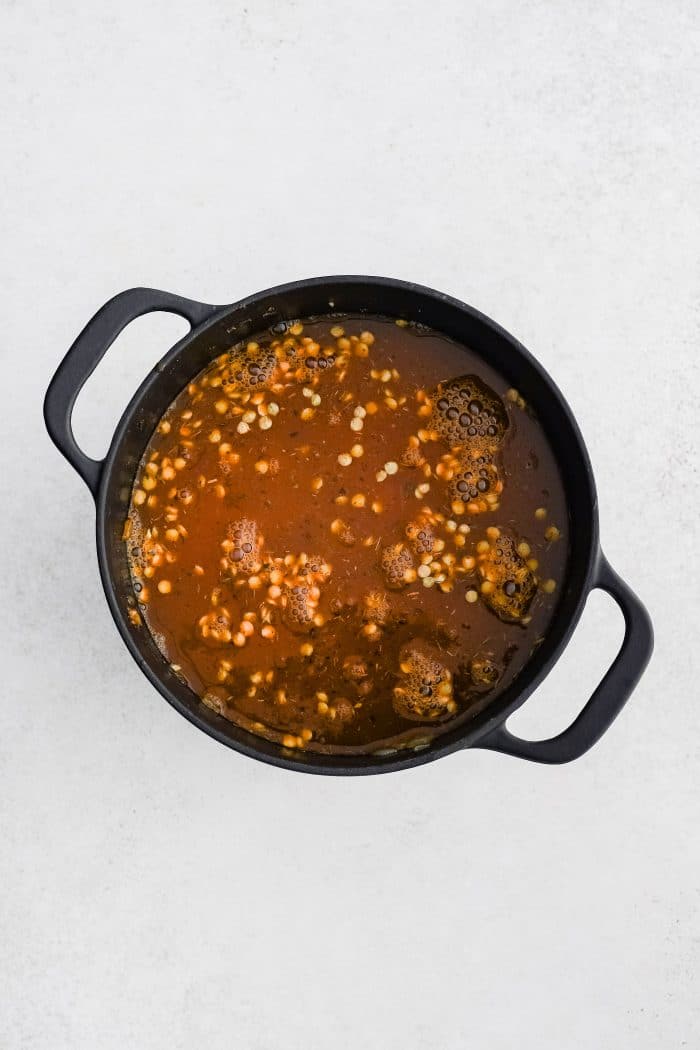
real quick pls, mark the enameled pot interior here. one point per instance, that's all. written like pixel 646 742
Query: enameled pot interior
pixel 321 297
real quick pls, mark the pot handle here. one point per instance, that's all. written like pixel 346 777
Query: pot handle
pixel 611 694
pixel 86 353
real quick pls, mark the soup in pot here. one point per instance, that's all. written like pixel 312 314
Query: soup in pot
pixel 347 535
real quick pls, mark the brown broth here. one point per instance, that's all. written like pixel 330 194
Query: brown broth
pixel 347 586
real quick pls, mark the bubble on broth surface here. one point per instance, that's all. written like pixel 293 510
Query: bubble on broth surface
pixel 249 369
pixel 421 536
pixel 484 670
pixel 242 546
pixel 355 668
pixel 478 483
pixel 343 709
pixel 315 569
pixel 424 691
pixel 215 627
pixel 412 456
pixel 467 412
pixel 314 363
pixel 376 607
pixel 299 608
pixel 396 562
pixel 509 586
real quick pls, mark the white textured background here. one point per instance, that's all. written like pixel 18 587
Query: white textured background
pixel 539 160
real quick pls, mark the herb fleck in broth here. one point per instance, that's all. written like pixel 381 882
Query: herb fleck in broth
pixel 347 536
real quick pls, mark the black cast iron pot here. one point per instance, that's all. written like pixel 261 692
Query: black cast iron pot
pixel 215 328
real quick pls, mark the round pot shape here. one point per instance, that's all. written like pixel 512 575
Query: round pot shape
pixel 214 329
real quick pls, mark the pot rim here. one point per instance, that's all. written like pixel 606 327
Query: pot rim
pixel 468 733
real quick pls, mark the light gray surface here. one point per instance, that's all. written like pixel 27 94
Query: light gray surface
pixel 539 160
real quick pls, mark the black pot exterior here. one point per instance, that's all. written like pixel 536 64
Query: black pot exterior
pixel 214 329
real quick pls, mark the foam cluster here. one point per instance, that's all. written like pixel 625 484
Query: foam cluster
pixel 300 605
pixel 355 668
pixel 215 626
pixel 249 369
pixel 484 670
pixel 145 550
pixel 510 585
pixel 468 413
pixel 376 607
pixel 412 456
pixel 421 536
pixel 314 568
pixel 424 691
pixel 314 361
pixel 242 545
pixel 477 483
pixel 343 709
pixel 396 562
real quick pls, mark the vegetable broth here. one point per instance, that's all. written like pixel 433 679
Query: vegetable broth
pixel 347 534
